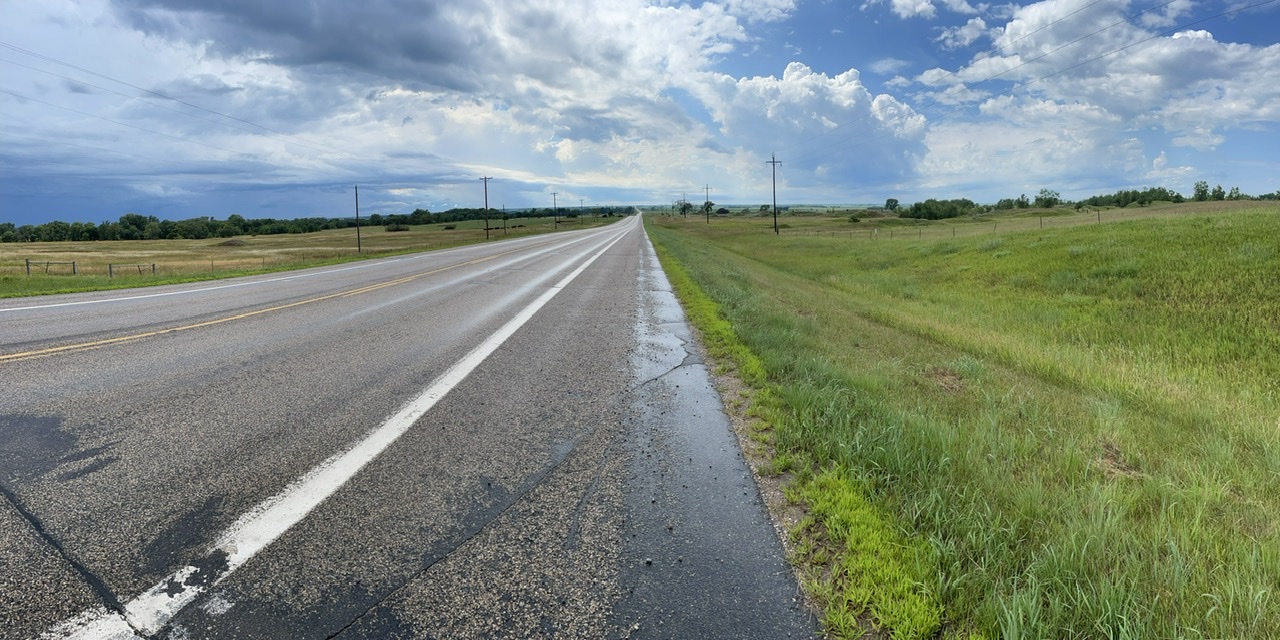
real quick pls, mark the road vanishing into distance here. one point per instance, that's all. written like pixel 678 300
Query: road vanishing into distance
pixel 513 439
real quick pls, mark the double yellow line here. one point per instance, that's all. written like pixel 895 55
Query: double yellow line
pixel 97 344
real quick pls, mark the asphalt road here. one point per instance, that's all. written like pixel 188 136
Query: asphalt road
pixel 515 439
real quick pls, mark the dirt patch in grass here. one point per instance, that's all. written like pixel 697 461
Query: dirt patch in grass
pixel 1113 463
pixel 946 379
pixel 234 242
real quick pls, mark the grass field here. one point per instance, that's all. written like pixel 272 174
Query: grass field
pixel 191 260
pixel 1071 432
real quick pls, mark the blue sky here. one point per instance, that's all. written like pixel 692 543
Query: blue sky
pixel 184 108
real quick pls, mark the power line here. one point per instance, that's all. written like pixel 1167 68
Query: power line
pixel 157 94
pixel 123 124
pixel 84 146
pixel 154 104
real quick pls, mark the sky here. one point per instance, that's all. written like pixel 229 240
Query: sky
pixel 187 108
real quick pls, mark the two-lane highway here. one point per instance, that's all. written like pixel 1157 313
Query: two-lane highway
pixel 512 439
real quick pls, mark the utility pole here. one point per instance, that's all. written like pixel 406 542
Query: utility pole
pixel 684 197
pixel 486 180
pixel 773 160
pixel 555 209
pixel 580 201
pixel 504 219
pixel 706 201
pixel 358 247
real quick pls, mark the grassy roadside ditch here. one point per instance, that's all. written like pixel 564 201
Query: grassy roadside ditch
pixel 1059 434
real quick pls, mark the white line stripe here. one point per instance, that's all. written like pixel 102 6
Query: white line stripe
pixel 153 609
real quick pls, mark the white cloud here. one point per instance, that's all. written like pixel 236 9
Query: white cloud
pixel 1072 105
pixel 886 66
pixel 913 8
pixel 813 121
pixel 964 35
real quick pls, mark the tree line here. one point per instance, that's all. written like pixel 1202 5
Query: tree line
pixel 134 226
pixel 933 209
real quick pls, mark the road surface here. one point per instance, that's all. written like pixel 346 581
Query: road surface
pixel 514 439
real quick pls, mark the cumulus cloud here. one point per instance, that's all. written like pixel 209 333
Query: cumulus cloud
pixel 542 89
pixel 816 122
pixel 906 9
pixel 1069 90
pixel 964 35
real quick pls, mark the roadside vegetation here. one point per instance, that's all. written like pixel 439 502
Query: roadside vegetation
pixel 1019 432
pixel 107 264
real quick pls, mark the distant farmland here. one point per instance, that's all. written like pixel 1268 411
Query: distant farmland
pixel 188 260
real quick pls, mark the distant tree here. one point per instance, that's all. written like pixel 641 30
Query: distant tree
pixel 1218 193
pixel 685 207
pixel 1048 199
pixel 1201 191
pixel 891 204
pixel 764 208
pixel 707 208
pixel 932 209
pixel 1236 195
pixel 1022 202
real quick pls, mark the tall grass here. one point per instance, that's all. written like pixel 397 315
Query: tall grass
pixel 1079 424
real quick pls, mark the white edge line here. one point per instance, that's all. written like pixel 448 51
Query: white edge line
pixel 150 611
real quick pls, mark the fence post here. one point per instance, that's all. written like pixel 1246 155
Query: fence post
pixel 153 268
pixel 28 266
pixel 73 268
pixel 110 270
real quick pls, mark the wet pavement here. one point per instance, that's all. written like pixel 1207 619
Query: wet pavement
pixel 582 482
pixel 701 558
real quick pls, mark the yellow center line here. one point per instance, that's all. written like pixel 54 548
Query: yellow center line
pixel 85 346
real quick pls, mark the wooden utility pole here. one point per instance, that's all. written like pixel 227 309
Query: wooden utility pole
pixel 773 160
pixel 555 209
pixel 359 249
pixel 706 201
pixel 486 180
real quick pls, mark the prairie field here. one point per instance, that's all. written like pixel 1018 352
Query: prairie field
pixel 190 260
pixel 1003 430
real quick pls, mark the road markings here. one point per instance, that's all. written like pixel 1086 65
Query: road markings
pixel 97 344
pixel 149 612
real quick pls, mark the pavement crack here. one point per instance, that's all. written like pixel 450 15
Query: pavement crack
pixel 690 360
pixel 532 483
pixel 95 583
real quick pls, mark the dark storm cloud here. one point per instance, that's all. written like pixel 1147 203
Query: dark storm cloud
pixel 420 44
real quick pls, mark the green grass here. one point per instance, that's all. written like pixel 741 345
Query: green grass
pixel 1074 431
pixel 195 260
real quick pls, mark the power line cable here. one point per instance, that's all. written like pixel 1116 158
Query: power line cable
pixel 84 146
pixel 154 104
pixel 125 124
pixel 157 94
